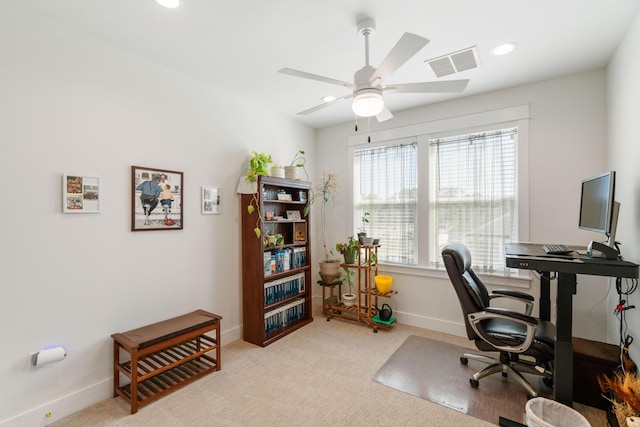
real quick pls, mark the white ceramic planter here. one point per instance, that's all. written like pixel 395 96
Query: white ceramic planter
pixel 278 172
pixel 291 172
pixel 349 300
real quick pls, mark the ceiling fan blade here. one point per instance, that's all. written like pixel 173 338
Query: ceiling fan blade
pixel 383 115
pixel 408 45
pixel 429 87
pixel 324 105
pixel 316 77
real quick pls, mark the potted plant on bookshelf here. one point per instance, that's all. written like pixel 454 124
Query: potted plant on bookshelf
pixel 349 299
pixel 277 171
pixel 273 239
pixel 258 165
pixel 349 249
pixel 298 162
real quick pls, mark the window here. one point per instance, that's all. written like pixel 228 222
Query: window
pixel 473 195
pixel 386 188
pixel 462 179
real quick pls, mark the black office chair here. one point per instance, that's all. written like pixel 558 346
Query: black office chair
pixel 508 332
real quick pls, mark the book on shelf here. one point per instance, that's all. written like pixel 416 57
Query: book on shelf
pixel 282 316
pixel 280 289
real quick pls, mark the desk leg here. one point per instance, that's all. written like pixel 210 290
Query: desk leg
pixel 545 295
pixel 563 366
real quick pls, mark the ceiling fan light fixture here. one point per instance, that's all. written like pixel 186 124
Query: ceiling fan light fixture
pixel 367 103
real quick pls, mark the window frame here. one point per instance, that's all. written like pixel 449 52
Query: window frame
pixel 517 116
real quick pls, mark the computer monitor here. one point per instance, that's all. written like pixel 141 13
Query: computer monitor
pixel 599 210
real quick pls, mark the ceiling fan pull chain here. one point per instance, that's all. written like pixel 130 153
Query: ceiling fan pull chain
pixel 356 123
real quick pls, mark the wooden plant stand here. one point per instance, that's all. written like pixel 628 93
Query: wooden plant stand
pixel 165 355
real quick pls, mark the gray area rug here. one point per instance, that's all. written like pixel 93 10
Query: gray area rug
pixel 432 370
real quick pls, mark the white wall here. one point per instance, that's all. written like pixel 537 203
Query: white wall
pixel 567 143
pixel 71 104
pixel 623 93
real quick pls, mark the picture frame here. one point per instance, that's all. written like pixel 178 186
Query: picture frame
pixel 302 196
pixel 293 214
pixel 80 194
pixel 154 206
pixel 211 200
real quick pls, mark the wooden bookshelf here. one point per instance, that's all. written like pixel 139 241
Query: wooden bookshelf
pixel 276 281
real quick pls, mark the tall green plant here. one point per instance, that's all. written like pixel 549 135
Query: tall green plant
pixel 325 190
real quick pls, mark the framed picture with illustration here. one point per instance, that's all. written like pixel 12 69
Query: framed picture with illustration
pixel 211 201
pixel 80 194
pixel 157 197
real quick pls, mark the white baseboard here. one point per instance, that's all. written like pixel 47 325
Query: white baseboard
pixel 81 399
pixel 62 407
pixel 419 321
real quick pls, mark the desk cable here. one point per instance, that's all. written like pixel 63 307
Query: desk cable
pixel 620 310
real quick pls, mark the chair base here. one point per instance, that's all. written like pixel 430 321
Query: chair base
pixel 507 365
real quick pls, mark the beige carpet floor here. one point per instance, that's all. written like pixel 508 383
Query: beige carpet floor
pixel 321 375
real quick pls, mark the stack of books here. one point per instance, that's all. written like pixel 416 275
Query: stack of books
pixel 280 289
pixel 282 316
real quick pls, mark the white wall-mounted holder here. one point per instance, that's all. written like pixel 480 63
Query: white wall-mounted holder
pixel 47 356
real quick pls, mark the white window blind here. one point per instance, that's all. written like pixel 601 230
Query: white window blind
pixel 386 186
pixel 473 196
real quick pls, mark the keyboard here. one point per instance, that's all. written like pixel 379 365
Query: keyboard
pixel 556 249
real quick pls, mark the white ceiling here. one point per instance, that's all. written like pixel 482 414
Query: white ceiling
pixel 239 45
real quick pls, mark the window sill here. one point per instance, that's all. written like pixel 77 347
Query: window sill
pixel 513 281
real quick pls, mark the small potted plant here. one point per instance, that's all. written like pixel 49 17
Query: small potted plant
pixel 298 162
pixel 349 249
pixel 349 299
pixel 277 171
pixel 362 230
pixel 273 239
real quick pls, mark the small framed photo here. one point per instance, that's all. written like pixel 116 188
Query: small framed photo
pixel 295 215
pixel 284 196
pixel 80 194
pixel 302 196
pixel 211 201
pixel 157 197
pixel 300 231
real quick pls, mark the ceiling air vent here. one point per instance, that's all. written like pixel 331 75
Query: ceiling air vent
pixel 456 62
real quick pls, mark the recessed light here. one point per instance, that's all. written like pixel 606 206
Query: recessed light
pixel 504 49
pixel 171 4
pixel 328 98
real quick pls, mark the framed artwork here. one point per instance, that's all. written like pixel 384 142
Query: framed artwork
pixel 295 215
pixel 211 201
pixel 80 194
pixel 157 197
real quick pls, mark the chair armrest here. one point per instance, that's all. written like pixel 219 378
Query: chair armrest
pixel 526 299
pixel 531 323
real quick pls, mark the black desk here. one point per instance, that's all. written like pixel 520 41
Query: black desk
pixel 530 256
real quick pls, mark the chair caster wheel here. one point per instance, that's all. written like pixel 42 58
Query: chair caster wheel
pixel 474 383
pixel 548 382
pixel 464 360
pixel 504 374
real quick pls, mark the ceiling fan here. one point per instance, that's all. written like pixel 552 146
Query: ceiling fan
pixel 367 85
